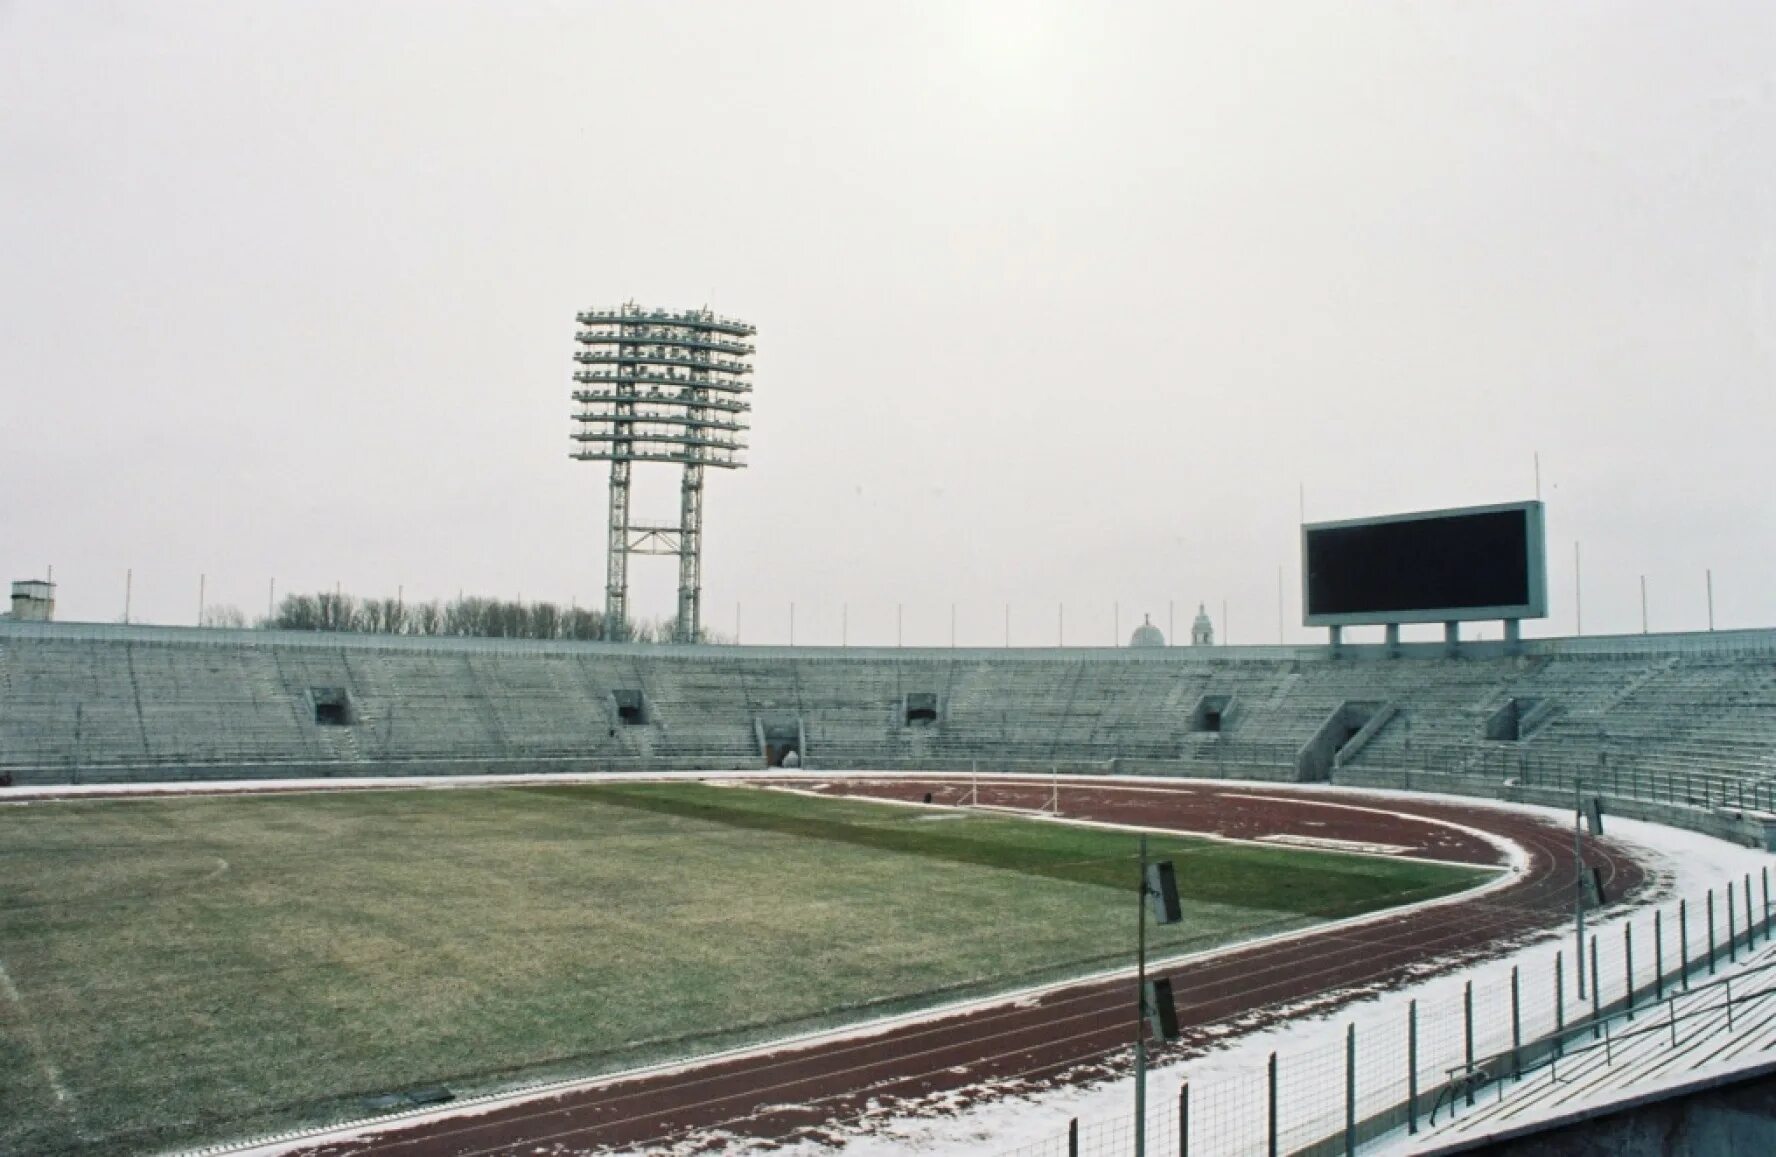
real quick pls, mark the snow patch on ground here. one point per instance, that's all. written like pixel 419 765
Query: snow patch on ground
pixel 1001 1116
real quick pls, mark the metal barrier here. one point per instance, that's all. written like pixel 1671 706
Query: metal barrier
pixel 1650 979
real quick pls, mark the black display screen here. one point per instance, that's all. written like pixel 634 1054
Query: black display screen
pixel 1462 561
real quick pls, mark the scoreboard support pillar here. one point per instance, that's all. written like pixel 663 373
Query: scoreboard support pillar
pixel 1452 639
pixel 1513 636
pixel 1393 640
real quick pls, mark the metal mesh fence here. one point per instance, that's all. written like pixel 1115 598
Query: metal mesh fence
pixel 1656 980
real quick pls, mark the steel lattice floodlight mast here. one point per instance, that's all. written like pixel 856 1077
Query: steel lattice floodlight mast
pixel 660 386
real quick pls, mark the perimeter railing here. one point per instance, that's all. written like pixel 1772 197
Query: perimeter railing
pixel 1657 980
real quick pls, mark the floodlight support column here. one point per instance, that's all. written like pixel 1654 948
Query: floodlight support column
pixel 690 553
pixel 616 576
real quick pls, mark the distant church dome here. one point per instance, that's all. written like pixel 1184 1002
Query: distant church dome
pixel 1147 635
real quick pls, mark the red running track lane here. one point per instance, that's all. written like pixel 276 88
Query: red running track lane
pixel 1073 1033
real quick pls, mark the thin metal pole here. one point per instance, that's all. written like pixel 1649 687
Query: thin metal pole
pixel 1732 930
pixel 1073 1137
pixel 1579 881
pixel 1683 943
pixel 1658 955
pixel 1141 1008
pixel 1578 595
pixel 1516 1027
pixel 1596 996
pixel 1350 1091
pixel 1412 1067
pixel 1279 604
pixel 1468 1033
pixel 1711 932
pixel 1749 927
pixel 1273 1105
pixel 1628 965
pixel 1559 1004
pixel 1184 1119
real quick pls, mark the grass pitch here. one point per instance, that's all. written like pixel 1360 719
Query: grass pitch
pixel 192 969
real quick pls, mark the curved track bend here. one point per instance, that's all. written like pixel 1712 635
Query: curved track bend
pixel 1075 1032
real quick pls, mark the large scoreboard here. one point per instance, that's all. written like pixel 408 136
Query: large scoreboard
pixel 1430 566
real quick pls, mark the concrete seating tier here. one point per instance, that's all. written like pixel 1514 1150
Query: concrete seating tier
pixel 1685 722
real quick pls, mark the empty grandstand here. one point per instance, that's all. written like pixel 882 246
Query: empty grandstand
pixel 1684 719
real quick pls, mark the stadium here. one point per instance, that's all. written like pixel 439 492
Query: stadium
pixel 995 577
pixel 437 951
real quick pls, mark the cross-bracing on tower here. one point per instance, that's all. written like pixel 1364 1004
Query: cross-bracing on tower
pixel 660 386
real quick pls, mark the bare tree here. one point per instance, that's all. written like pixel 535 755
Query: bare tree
pixel 222 615
pixel 426 618
pixel 470 615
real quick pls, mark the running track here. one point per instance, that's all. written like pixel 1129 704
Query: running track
pixel 1074 1032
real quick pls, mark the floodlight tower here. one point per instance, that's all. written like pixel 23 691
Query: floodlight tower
pixel 660 386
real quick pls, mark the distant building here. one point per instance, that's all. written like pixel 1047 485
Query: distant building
pixel 1147 635
pixel 1202 632
pixel 33 601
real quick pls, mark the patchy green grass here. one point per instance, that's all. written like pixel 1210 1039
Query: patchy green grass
pixel 191 969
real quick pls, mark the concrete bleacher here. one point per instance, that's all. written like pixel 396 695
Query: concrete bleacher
pixel 1714 1031
pixel 1673 716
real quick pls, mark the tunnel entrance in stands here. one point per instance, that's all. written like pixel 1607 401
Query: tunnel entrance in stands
pixel 1210 713
pixel 631 708
pixel 1345 730
pixel 781 740
pixel 332 706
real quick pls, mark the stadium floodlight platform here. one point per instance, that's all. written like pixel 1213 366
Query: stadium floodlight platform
pixel 660 386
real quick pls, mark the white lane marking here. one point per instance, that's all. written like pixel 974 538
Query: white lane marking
pixel 34 1039
pixel 1327 843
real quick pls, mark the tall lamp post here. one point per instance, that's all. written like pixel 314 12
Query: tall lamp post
pixel 1153 1001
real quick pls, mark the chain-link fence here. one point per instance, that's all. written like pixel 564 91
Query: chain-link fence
pixel 1657 979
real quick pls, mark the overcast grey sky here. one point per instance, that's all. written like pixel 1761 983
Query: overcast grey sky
pixel 1056 302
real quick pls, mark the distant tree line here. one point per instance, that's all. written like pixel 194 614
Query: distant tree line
pixel 463 616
